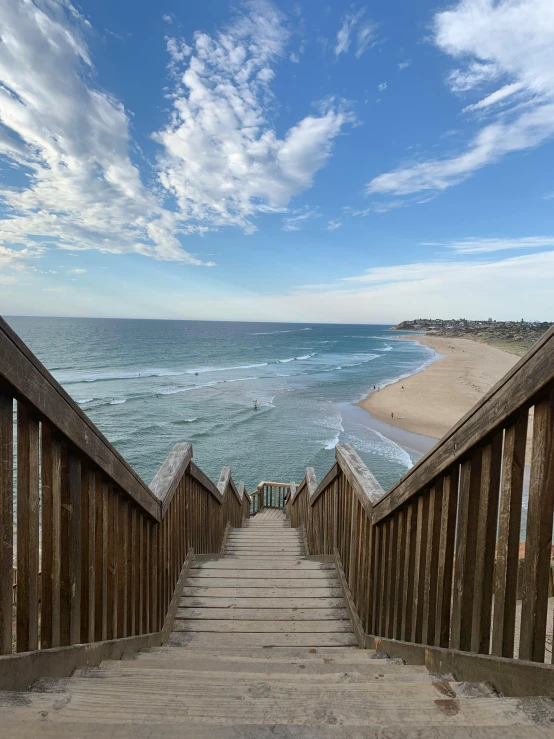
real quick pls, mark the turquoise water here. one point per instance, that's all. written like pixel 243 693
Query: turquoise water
pixel 149 384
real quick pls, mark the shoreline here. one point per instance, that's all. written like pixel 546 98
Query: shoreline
pixel 431 400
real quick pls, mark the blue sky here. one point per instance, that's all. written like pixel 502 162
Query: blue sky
pixel 288 160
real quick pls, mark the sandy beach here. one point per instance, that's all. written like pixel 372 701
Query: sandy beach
pixel 433 400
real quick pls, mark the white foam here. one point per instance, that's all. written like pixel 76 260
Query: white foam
pixel 86 400
pixel 283 331
pixel 119 401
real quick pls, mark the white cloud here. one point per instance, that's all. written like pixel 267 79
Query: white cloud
pixel 223 161
pixel 475 245
pixel 510 42
pixel 8 280
pixel 71 142
pixel 53 290
pixel 355 27
pixel 382 86
pixel 495 97
pixel 298 218
pixel 78 271
pixel 20 258
pixel 333 225
pixel 404 65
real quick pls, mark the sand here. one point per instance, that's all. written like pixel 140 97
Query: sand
pixel 433 400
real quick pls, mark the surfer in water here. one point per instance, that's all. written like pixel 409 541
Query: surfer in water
pixel 255 405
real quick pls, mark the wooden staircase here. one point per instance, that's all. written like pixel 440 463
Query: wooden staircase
pixel 262 645
pixel 189 608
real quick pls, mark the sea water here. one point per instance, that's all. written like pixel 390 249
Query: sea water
pixel 148 384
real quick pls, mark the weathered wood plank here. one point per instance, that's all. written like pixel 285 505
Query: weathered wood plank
pixel 432 563
pixel 27 529
pixel 264 640
pixel 230 626
pixel 268 603
pixel 538 541
pixel 170 474
pixel 486 545
pixel 506 568
pixel 6 522
pixel 246 572
pixel 446 557
pixel 269 615
pixel 230 563
pixel 261 582
pixel 466 547
pixel 267 592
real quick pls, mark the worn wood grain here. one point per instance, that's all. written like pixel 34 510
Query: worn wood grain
pixel 506 568
pixel 538 547
pixel 6 522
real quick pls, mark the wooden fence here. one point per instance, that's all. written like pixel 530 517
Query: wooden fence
pixel 98 553
pixel 435 561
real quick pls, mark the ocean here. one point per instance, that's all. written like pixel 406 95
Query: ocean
pixel 148 384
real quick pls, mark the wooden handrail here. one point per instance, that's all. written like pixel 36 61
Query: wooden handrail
pixel 514 392
pixel 100 556
pixel 29 380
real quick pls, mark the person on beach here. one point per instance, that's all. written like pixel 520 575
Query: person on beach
pixel 391 414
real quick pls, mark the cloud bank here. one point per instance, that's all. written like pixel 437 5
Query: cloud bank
pixel 506 45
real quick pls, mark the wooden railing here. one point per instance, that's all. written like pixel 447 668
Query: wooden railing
pixel 436 561
pixel 270 495
pixel 98 554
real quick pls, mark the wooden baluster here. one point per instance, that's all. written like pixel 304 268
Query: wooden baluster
pixel 399 580
pixel 446 557
pixel 123 573
pixel 376 578
pixel 147 602
pixel 139 621
pixel 101 560
pixel 486 545
pixel 70 545
pixel 409 569
pixel 432 563
pixel 538 541
pixel 466 548
pixel 51 554
pixel 384 578
pixel 505 573
pixel 419 574
pixel 391 574
pixel 134 556
pixel 113 539
pixel 88 537
pixel 154 579
pixel 6 522
pixel 27 530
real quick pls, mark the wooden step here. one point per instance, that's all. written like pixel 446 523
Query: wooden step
pixel 264 614
pixel 182 681
pixel 276 574
pixel 316 640
pixel 109 702
pixel 265 592
pixel 229 563
pixel 249 626
pixel 98 729
pixel 262 582
pixel 266 603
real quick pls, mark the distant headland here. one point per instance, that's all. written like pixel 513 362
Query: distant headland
pixel 516 337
